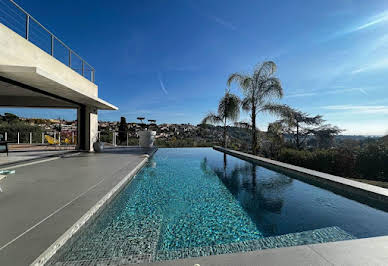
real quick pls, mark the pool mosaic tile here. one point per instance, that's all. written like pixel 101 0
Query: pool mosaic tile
pixel 303 238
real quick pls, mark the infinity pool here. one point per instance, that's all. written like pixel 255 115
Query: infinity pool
pixel 197 201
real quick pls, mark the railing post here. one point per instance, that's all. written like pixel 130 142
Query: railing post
pixel 27 26
pixel 52 45
pixel 42 138
pixel 69 58
pixel 18 138
pixel 30 137
pixel 6 136
pixel 72 137
pixel 59 138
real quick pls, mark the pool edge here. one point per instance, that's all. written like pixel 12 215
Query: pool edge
pixel 44 257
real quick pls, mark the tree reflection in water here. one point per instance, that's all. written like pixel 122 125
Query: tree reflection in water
pixel 259 190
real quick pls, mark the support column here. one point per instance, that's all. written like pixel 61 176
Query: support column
pixel 87 125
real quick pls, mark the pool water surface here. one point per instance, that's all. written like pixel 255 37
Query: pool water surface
pixel 196 201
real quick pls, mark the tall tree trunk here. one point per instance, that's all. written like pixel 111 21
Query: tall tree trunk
pixel 224 133
pixel 297 136
pixel 254 135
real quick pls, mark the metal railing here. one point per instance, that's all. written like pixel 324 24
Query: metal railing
pixel 43 137
pixel 10 16
pixel 59 138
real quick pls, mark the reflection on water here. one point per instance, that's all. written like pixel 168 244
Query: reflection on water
pixel 280 204
pixel 257 192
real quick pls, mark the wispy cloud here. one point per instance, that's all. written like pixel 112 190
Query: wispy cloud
pixel 382 17
pixel 362 91
pixel 369 22
pixel 361 109
pixel 222 22
pixel 346 90
pixel 372 66
pixel 162 87
pixel 307 94
pixel 337 91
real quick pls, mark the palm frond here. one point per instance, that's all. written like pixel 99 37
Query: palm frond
pixel 264 70
pixel 246 104
pixel 271 88
pixel 244 81
pixel 229 107
pixel 211 118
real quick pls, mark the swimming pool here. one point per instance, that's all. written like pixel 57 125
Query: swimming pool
pixel 193 202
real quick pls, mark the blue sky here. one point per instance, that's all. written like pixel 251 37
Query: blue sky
pixel 169 60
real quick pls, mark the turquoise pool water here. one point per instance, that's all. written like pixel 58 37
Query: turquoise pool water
pixel 197 201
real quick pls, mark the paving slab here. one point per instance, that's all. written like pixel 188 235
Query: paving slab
pixel 368 251
pixel 41 201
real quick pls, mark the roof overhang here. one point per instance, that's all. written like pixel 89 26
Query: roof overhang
pixel 55 87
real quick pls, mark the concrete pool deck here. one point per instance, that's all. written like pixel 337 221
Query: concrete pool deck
pixel 44 199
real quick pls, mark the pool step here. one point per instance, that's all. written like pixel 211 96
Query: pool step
pixel 328 234
pixel 143 249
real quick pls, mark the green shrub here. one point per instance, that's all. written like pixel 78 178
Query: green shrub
pixel 337 162
pixel 372 162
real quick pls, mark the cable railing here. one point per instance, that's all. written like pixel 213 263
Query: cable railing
pixel 17 19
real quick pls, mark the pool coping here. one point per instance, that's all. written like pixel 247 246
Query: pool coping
pixel 91 213
pixel 374 193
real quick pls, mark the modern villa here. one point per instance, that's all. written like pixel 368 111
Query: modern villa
pixel 31 77
pixel 161 206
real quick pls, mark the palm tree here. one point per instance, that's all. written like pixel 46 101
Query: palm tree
pixel 228 109
pixel 258 89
